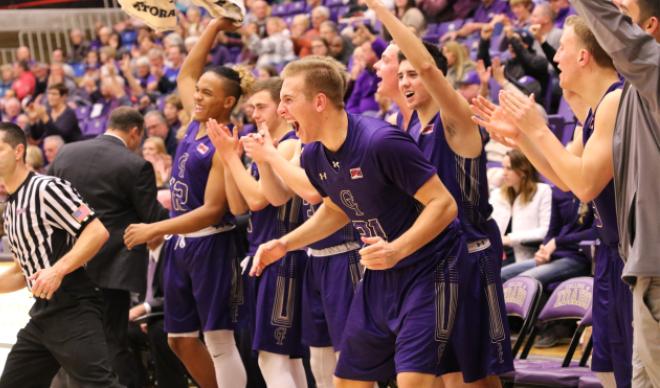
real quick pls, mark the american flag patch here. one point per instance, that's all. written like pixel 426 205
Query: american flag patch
pixel 202 148
pixel 356 173
pixel 82 213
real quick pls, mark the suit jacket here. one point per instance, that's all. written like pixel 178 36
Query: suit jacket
pixel 121 187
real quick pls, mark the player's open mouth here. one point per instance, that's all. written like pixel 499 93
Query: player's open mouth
pixel 409 94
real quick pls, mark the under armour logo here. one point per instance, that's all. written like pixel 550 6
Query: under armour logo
pixel 335 164
pixel 323 176
pixel 280 335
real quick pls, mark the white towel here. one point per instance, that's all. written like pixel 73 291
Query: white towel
pixel 231 9
pixel 157 14
pixel 161 14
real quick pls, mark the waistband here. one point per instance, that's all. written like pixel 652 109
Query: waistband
pixel 208 231
pixel 334 250
pixel 478 245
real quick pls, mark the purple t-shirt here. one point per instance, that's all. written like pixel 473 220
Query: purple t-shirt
pixel 190 173
pixel 373 178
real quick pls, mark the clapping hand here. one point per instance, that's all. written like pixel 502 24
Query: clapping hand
pixel 522 111
pixel 259 147
pixel 226 143
pixel 494 120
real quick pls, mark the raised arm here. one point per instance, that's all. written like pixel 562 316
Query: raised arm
pixel 454 108
pixel 193 66
pixel 635 53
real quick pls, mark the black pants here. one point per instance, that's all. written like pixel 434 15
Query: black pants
pixel 71 337
pixel 170 372
pixel 116 304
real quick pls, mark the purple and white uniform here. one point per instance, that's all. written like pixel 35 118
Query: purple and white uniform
pixel 480 343
pixel 332 274
pixel 401 318
pixel 277 324
pixel 201 273
pixel 612 304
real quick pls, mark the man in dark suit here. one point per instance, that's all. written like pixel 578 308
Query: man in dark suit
pixel 121 187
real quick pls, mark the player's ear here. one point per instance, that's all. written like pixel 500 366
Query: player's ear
pixel 320 102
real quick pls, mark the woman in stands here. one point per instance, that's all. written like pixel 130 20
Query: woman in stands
pixel 521 207
pixel 58 119
pixel 201 273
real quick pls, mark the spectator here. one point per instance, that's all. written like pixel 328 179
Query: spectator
pixel 469 85
pixel 561 9
pixel 320 47
pixel 341 48
pixel 302 35
pixel 58 75
pixel 320 14
pixel 153 151
pixel 34 160
pixel 24 82
pixel 52 146
pixel 175 56
pixel 156 126
pixel 559 257
pixel 266 72
pixel 192 21
pixel 521 207
pixel 40 71
pixel 277 48
pixel 58 119
pixel 12 109
pixel 458 62
pixel 102 38
pixel 79 46
pixel 6 79
pixel 543 26
pixel 409 14
pixel 524 61
pixel 362 99
pixel 260 12
pixel 172 111
pixel 522 12
pixel 23 54
pixel 23 121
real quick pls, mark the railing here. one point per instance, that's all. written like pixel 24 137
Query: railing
pixel 44 30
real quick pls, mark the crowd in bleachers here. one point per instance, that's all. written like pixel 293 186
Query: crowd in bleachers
pixel 489 45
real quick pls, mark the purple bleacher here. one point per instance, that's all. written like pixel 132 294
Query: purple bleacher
pixel 94 127
pixel 557 125
pixel 565 111
pixel 589 382
pixel 522 297
pixel 279 9
pixel 297 7
pixel 333 3
pixel 446 27
pixel 571 300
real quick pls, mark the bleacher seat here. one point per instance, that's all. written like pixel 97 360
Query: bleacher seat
pixel 570 301
pixel 522 297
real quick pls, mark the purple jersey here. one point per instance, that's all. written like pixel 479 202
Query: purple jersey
pixel 342 236
pixel 272 222
pixel 465 178
pixel 190 172
pixel 373 178
pixel 484 13
pixel 603 204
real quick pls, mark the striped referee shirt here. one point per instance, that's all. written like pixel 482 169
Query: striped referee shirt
pixel 43 218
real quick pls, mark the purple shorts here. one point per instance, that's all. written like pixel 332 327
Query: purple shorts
pixel 278 317
pixel 612 318
pixel 328 288
pixel 401 319
pixel 480 344
pixel 203 287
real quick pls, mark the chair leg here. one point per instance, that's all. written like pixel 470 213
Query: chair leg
pixel 587 352
pixel 573 345
pixel 530 342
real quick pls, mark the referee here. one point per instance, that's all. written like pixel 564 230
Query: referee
pixel 52 234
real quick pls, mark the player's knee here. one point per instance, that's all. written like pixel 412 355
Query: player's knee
pixel 181 345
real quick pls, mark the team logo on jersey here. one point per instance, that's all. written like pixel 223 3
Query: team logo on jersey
pixel 427 130
pixel 335 164
pixel 356 173
pixel 202 148
pixel 323 176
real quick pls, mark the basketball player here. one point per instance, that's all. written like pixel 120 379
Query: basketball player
pixel 480 345
pixel 276 319
pixel 201 272
pixel 387 69
pixel 398 321
pixel 333 270
pixel 585 168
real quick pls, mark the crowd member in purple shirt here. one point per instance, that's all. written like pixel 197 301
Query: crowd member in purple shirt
pixel 483 15
pixel 562 9
pixel 407 221
pixel 362 98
